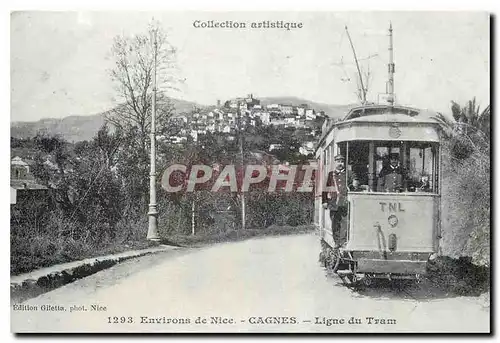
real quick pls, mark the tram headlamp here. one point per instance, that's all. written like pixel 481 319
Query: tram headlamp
pixel 393 242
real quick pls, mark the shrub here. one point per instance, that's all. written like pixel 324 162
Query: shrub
pixel 466 206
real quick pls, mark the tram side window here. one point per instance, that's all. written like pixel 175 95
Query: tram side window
pixel 422 176
pixel 358 166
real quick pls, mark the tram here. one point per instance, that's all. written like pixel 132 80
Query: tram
pixel 390 233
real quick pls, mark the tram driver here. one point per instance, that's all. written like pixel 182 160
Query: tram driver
pixel 336 202
pixel 392 176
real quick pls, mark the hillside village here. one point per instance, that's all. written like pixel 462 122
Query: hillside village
pixel 225 120
pixel 242 113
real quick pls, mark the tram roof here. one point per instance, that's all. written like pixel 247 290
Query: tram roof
pixel 384 114
pixel 366 113
pixel 390 118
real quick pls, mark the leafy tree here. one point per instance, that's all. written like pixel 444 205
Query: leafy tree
pixel 484 122
pixel 467 114
pixel 469 130
pixel 470 119
pixel 54 146
pixel 466 181
pixel 52 162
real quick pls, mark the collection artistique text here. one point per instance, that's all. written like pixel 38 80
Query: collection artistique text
pixel 230 24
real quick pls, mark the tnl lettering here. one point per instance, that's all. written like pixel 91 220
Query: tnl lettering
pixel 391 207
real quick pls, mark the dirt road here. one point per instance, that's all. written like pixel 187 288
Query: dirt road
pixel 270 284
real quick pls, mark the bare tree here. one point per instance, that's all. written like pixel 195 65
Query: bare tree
pixel 133 74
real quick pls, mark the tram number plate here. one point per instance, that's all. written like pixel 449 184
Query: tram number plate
pixel 391 207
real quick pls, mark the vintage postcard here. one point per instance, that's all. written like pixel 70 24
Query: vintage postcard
pixel 250 172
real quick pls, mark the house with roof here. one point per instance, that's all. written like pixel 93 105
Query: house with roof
pixel 310 114
pixel 22 181
pixel 286 109
pixel 273 107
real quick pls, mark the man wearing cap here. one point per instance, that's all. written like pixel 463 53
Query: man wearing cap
pixel 336 201
pixel 392 176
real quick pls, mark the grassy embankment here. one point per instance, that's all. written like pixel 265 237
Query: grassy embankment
pixel 51 256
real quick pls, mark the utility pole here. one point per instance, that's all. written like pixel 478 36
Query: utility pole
pixel 193 201
pixel 363 90
pixel 391 65
pixel 243 205
pixel 193 223
pixel 153 212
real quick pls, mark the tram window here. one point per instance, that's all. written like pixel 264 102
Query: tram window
pixel 358 163
pixel 382 156
pixel 421 173
pixel 381 153
pixel 392 166
pixel 411 166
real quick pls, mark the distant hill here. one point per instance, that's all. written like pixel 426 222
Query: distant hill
pixel 72 128
pixel 332 111
pixel 77 128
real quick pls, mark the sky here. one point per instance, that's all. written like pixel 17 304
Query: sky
pixel 60 61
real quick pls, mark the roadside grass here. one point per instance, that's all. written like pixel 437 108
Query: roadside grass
pixel 43 251
pixel 235 235
pixel 458 276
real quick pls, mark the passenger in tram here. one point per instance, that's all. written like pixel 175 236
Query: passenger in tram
pixel 356 185
pixel 425 185
pixel 392 176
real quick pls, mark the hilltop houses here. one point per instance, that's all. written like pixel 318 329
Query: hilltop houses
pixel 239 113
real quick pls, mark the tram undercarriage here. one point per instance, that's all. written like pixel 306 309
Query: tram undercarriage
pixel 341 262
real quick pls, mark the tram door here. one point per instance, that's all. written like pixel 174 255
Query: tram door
pixel 326 169
pixel 321 210
pixel 318 210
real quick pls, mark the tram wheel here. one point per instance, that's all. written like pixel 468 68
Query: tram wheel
pixel 349 280
pixel 367 280
pixel 353 278
pixel 336 259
